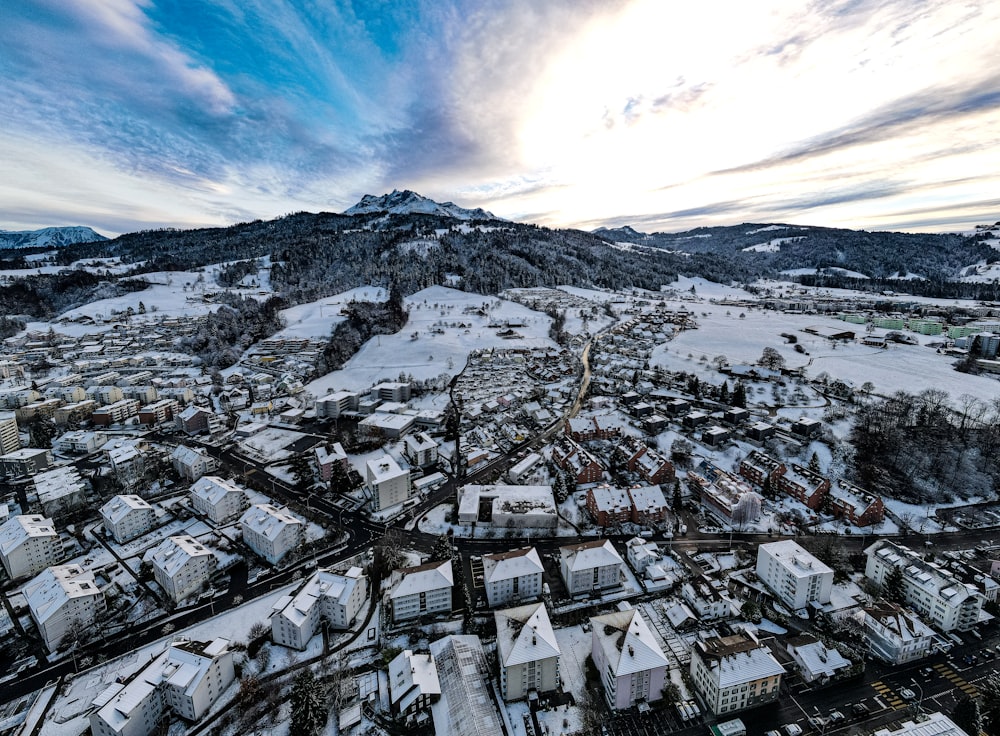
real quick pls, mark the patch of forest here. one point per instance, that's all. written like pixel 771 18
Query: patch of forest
pixel 44 296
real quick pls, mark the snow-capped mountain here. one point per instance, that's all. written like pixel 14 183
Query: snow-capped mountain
pixel 48 236
pixel 407 202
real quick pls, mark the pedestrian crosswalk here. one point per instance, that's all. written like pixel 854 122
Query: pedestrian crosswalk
pixel 888 695
pixel 955 679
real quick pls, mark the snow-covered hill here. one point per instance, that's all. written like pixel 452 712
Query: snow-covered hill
pixel 48 236
pixel 407 202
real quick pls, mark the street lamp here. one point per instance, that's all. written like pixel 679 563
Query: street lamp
pixel 920 692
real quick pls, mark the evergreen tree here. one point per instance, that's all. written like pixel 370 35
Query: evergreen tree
pixel 767 490
pixel 677 503
pixel 307 709
pixel 892 586
pixel 724 393
pixel 559 489
pixel 814 464
pixel 340 479
pixel 740 395
pixel 442 549
pixel 302 472
pixel 968 715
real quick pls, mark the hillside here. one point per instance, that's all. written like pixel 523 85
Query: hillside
pixel 48 237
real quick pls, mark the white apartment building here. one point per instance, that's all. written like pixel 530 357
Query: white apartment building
pixel 732 673
pixel 794 575
pixel 413 685
pixel 28 544
pixel 420 449
pixel 941 599
pixel 10 440
pixel 190 463
pixel 271 532
pixel 424 589
pixel 527 651
pixel 590 567
pixel 326 596
pixel 388 483
pixel 127 517
pixel 630 662
pixel 182 566
pixel 79 442
pixel 894 634
pixel 186 680
pixel 511 577
pixel 220 500
pixel 335 404
pixel 61 599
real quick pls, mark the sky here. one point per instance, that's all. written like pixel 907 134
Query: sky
pixel 664 115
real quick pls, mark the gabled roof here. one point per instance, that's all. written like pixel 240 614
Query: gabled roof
pixel 628 643
pixel 513 564
pixel 423 578
pixel 524 634
pixel 410 676
pixel 52 588
pixel 597 553
pixel 268 521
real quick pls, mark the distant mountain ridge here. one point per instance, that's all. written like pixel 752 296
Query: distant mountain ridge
pixel 49 237
pixel 409 203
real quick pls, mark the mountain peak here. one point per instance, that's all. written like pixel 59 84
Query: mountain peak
pixel 48 237
pixel 408 202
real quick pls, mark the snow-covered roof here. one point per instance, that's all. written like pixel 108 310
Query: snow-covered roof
pixel 383 468
pixel 524 634
pixel 795 559
pixel 17 530
pixel 410 676
pixel 322 584
pixel 598 553
pixel 737 659
pixel 513 564
pixel 423 578
pixel 628 642
pixel 466 707
pixel 52 588
pixel 213 489
pixel 174 552
pixel 268 521
pixel 119 507
pixel 816 658
pixel 931 724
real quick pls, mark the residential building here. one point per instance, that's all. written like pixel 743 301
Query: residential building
pixel 116 413
pixel 182 566
pixel 807 427
pixel 639 458
pixel 705 601
pixel 79 411
pixel 64 601
pixel 191 463
pixel 856 505
pixel 195 419
pixel 609 506
pixel 527 651
pixel 413 686
pixel 586 429
pixel 326 596
pixel 27 461
pixel 186 680
pixel 630 663
pixel 127 517
pixel 927 724
pixel 727 497
pixel 733 673
pixel 220 500
pixel 795 576
pixel 815 661
pixel 649 505
pixel 386 424
pixel 79 442
pixel 327 457
pixel 10 440
pixel 514 576
pixel 591 567
pixel 336 404
pixel 577 461
pixel 895 635
pixel 28 544
pixel 271 532
pixel 420 590
pixel 388 483
pixel 158 412
pixel 944 601
pixel 60 491
pixel 805 485
pixel 420 450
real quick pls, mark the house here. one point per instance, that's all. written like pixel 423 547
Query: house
pixel 64 601
pixel 60 491
pixel 271 532
pixel 736 415
pixel 191 463
pixel 424 589
pixel 795 576
pixel 590 567
pixel 127 517
pixel 715 436
pixel 578 462
pixel 705 601
pixel 387 482
pixel 641 553
pixel 760 431
pixel 28 544
pixel 694 419
pixel 944 601
pixel 467 702
pixel 815 661
pixel 806 427
pixel 195 420
pixel 514 576
pixel 27 461
pixel 631 664
pixel 413 686
pixel 420 450
pixel 760 469
pixel 220 500
pixel 186 680
pixel 803 484
pixel 327 457
pixel 182 566
pixel 326 596
pixel 856 505
pixel 733 673
pixel 895 635
pixel 527 651
pixel 79 442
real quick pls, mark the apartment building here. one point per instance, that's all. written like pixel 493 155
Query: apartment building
pixel 591 567
pixel 420 590
pixel 514 576
pixel 388 483
pixel 733 673
pixel 527 651
pixel 631 665
pixel 795 576
pixel 182 566
pixel 63 600
pixel 28 544
pixel 127 517
pixel 220 500
pixel 326 596
pixel 271 532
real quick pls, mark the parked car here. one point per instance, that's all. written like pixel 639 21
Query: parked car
pixel 836 716
pixel 907 694
pixel 792 729
pixel 860 709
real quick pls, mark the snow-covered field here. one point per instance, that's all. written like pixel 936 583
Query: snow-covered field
pixel 446 330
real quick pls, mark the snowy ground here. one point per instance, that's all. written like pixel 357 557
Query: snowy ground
pixel 445 335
